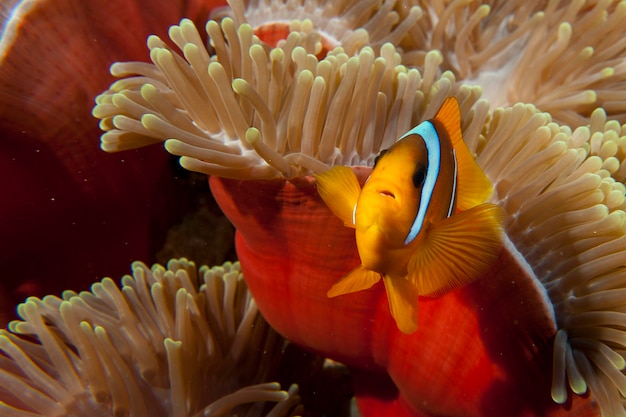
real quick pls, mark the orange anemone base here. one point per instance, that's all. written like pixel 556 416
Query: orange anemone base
pixel 483 350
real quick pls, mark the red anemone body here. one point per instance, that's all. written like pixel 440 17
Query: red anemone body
pixel 483 350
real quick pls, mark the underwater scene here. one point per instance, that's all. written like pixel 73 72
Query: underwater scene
pixel 275 208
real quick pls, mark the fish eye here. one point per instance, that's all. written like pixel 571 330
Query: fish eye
pixel 384 151
pixel 419 176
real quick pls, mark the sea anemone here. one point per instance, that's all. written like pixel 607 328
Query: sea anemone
pixel 64 191
pixel 246 110
pixel 566 217
pixel 352 106
pixel 565 57
pixel 172 341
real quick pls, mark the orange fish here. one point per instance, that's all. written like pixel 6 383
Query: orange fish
pixel 422 222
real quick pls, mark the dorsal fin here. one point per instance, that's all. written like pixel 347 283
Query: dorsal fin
pixel 449 117
pixel 474 187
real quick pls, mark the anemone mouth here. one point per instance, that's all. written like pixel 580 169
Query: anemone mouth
pixel 349 24
pixel 275 34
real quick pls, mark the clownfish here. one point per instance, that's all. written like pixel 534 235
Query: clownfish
pixel 421 220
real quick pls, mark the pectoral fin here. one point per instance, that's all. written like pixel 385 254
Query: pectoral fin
pixel 402 296
pixel 457 250
pixel 358 279
pixel 340 189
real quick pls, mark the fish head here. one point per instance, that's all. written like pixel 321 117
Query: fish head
pixel 390 198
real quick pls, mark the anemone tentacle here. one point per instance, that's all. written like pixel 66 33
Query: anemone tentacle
pixel 565 57
pixel 565 200
pixel 246 112
pixel 128 351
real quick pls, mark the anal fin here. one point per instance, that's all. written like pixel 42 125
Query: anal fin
pixel 402 296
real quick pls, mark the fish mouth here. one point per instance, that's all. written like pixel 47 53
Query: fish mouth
pixel 387 193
